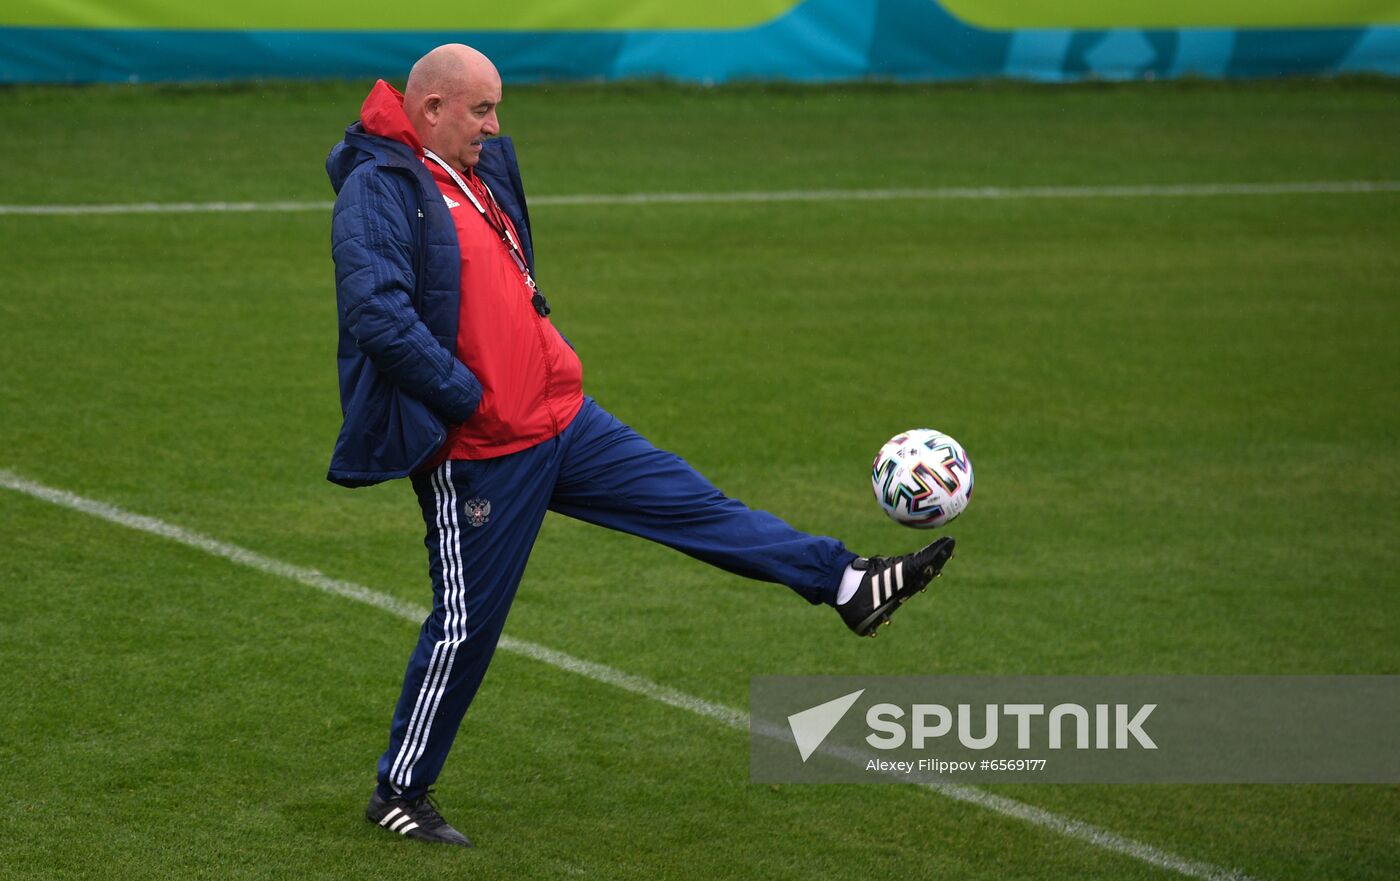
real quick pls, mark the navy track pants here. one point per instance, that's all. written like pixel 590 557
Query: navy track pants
pixel 482 517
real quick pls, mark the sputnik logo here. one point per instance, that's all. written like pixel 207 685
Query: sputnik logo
pixel 810 727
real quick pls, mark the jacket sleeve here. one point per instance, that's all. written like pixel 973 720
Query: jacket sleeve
pixel 371 244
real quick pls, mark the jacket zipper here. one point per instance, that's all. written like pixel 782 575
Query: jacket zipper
pixel 548 372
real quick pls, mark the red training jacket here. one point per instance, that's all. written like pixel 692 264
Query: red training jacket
pixel 531 379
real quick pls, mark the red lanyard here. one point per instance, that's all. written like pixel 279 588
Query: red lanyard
pixel 495 218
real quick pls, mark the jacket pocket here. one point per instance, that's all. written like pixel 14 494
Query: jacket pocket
pixel 386 434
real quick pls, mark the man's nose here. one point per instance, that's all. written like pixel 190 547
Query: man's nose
pixel 492 126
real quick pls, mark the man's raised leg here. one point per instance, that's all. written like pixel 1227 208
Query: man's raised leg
pixel 614 477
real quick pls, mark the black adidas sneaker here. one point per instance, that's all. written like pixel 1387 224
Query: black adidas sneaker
pixel 418 818
pixel 888 582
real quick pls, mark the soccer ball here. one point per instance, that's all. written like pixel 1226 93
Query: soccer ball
pixel 922 478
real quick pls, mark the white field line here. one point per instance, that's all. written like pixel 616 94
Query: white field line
pixel 728 716
pixel 1144 191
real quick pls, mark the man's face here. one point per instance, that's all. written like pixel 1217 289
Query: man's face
pixel 467 119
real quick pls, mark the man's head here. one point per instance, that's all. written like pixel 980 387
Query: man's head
pixel 451 100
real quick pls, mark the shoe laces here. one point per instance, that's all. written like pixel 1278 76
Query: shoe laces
pixel 425 811
pixel 876 565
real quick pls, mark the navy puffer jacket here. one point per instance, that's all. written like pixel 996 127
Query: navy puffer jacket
pixel 397 283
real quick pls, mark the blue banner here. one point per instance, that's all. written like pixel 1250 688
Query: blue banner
pixel 811 41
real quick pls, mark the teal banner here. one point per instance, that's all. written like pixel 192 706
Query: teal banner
pixel 813 41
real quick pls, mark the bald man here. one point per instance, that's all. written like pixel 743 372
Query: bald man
pixel 453 375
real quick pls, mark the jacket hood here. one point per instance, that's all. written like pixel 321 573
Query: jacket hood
pixel 382 134
pixel 383 114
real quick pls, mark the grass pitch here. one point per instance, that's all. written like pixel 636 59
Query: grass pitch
pixel 1184 414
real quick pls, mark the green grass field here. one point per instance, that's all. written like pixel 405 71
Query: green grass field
pixel 1184 412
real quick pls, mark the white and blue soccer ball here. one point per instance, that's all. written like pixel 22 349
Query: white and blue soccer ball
pixel 922 478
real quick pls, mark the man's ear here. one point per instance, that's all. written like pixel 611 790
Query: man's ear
pixel 432 108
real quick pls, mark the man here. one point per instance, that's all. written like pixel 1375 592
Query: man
pixel 452 374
